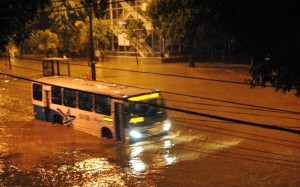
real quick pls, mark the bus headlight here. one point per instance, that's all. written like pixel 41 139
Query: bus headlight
pixel 167 126
pixel 135 134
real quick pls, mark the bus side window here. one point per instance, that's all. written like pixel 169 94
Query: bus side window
pixel 56 95
pixel 85 101
pixel 69 97
pixel 37 92
pixel 102 104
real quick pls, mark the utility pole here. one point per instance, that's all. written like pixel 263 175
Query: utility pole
pixel 137 34
pixel 92 51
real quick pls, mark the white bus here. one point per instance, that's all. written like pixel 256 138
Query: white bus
pixel 102 109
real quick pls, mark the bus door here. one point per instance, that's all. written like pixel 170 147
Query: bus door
pixel 119 130
pixel 47 104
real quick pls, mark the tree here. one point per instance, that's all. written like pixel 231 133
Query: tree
pixel 267 30
pixel 135 31
pixel 11 48
pixel 92 6
pixel 269 33
pixel 64 14
pixel 179 19
pixel 44 41
pixel 101 34
pixel 14 16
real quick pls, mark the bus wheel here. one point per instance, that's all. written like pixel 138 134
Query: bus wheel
pixel 106 133
pixel 57 119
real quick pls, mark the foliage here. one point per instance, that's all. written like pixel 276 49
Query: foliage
pixel 101 32
pixel 11 48
pixel 267 31
pixel 175 18
pixel 99 6
pixel 179 19
pixel 135 29
pixel 44 41
pixel 64 14
pixel 270 34
pixel 13 19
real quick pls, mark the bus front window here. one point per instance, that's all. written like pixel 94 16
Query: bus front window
pixel 145 113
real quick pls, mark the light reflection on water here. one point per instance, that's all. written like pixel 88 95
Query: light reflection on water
pixel 1 167
pixel 99 172
pixel 3 150
pixel 93 165
pixel 135 161
pixel 148 157
pixel 89 172
pixel 10 98
pixel 167 144
pixel 143 159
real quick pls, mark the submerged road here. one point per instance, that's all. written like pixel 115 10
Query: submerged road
pixel 200 151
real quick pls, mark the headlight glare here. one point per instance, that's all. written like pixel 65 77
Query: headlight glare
pixel 135 134
pixel 167 126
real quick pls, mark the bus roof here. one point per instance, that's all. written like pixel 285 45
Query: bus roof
pixel 104 88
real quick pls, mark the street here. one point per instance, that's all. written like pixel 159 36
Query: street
pixel 224 132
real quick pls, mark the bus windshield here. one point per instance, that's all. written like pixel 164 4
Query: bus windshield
pixel 145 113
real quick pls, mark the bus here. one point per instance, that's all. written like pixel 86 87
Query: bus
pixel 101 109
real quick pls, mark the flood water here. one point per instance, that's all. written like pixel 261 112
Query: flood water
pixel 35 153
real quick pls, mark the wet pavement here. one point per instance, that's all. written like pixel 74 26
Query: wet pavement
pixel 199 151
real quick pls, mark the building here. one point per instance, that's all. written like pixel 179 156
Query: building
pixel 210 45
pixel 117 17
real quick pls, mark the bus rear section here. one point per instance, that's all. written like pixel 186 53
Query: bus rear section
pixel 85 111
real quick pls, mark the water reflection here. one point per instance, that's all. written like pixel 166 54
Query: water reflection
pixel 94 165
pixel 135 162
pixel 167 144
pixel 10 98
pixel 149 156
pixel 96 172
pixel 138 166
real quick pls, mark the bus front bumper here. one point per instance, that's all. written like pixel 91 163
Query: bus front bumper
pixel 139 134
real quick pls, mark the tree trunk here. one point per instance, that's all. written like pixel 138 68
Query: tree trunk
pixel 191 39
pixel 47 53
pixel 191 52
pixel 191 59
pixel 102 56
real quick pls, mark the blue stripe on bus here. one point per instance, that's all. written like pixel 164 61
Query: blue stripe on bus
pixel 40 113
